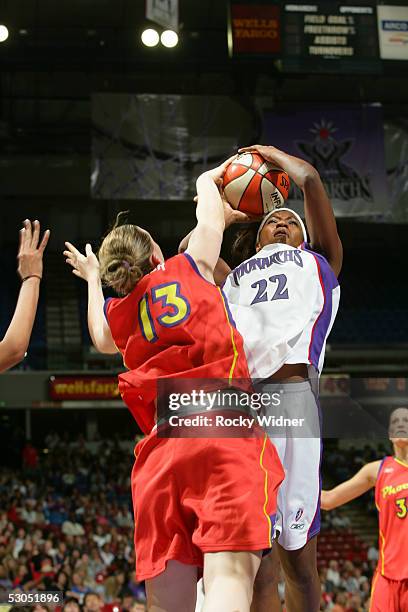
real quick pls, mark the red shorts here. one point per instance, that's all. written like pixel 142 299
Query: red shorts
pixel 192 496
pixel 388 595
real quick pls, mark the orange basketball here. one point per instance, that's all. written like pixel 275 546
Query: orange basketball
pixel 255 186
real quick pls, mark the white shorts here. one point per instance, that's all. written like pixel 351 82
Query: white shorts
pixel 298 513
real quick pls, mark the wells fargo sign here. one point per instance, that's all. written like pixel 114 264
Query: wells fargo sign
pixel 63 388
pixel 254 29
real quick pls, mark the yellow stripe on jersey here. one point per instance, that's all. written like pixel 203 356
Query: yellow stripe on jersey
pixel 234 348
pixel 401 462
pixel 372 589
pixel 268 518
pixel 382 552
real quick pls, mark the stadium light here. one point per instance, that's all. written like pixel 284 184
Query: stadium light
pixel 150 37
pixel 169 38
pixel 4 33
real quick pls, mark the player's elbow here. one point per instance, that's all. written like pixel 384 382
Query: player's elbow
pixel 10 356
pixel 327 501
pixel 16 348
pixel 104 348
pixel 18 351
pixel 19 355
pixel 210 226
pixel 103 345
pixel 310 176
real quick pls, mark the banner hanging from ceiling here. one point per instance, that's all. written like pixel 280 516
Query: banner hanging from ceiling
pixel 393 32
pixel 163 12
pixel 153 147
pixel 345 145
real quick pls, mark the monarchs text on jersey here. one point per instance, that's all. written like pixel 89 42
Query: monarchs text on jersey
pixel 174 324
pixel 284 301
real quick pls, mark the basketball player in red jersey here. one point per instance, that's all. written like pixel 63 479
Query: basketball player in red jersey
pixel 202 502
pixel 30 268
pixel 389 590
pixel 285 333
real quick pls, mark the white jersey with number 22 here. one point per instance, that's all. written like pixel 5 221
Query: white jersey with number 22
pixel 284 301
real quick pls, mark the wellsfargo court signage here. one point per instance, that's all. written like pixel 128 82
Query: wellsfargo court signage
pixel 62 388
pixel 254 29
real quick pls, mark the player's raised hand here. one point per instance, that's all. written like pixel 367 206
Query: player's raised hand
pixel 299 170
pixel 85 266
pixel 268 152
pixel 217 173
pixel 231 215
pixel 30 253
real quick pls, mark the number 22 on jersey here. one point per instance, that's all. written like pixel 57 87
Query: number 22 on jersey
pixel 280 293
pixel 174 306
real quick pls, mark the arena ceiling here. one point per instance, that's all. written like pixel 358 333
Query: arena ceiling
pixel 60 52
pixel 98 32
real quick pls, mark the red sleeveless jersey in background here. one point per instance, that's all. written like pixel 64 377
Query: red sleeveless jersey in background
pixel 391 498
pixel 174 324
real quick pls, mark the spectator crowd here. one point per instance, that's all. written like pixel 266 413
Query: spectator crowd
pixel 66 525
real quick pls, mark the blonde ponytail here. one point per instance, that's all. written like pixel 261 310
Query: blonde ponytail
pixel 124 258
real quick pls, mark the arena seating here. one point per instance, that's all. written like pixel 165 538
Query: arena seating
pixel 73 513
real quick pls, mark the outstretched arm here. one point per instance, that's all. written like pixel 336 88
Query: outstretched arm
pixel 87 267
pixel 30 269
pixel 221 269
pixel 360 483
pixel 231 216
pixel 204 242
pixel 320 220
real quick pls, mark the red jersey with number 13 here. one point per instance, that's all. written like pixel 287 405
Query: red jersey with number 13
pixel 174 324
pixel 391 498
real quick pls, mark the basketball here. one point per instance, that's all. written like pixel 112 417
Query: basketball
pixel 255 186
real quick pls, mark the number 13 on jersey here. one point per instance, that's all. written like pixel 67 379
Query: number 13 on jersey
pixel 175 309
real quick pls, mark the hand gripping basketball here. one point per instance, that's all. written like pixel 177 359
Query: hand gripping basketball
pixel 254 185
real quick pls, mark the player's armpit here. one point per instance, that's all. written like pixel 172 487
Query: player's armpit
pixel 221 272
pixel 204 247
pixel 183 246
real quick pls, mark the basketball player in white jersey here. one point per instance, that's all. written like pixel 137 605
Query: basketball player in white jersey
pixel 284 299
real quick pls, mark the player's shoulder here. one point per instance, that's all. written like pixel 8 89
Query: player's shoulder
pixel 183 263
pixel 325 269
pixel 170 265
pixel 376 468
pixel 306 248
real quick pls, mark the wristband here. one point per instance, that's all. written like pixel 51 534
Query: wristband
pixel 31 276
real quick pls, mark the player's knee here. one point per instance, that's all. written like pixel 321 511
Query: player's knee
pixel 300 573
pixel 234 567
pixel 267 578
pixel 232 571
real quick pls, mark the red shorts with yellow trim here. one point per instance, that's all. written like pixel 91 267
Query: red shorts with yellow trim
pixel 388 595
pixel 192 496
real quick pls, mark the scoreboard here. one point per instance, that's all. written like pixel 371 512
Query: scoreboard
pixel 329 37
